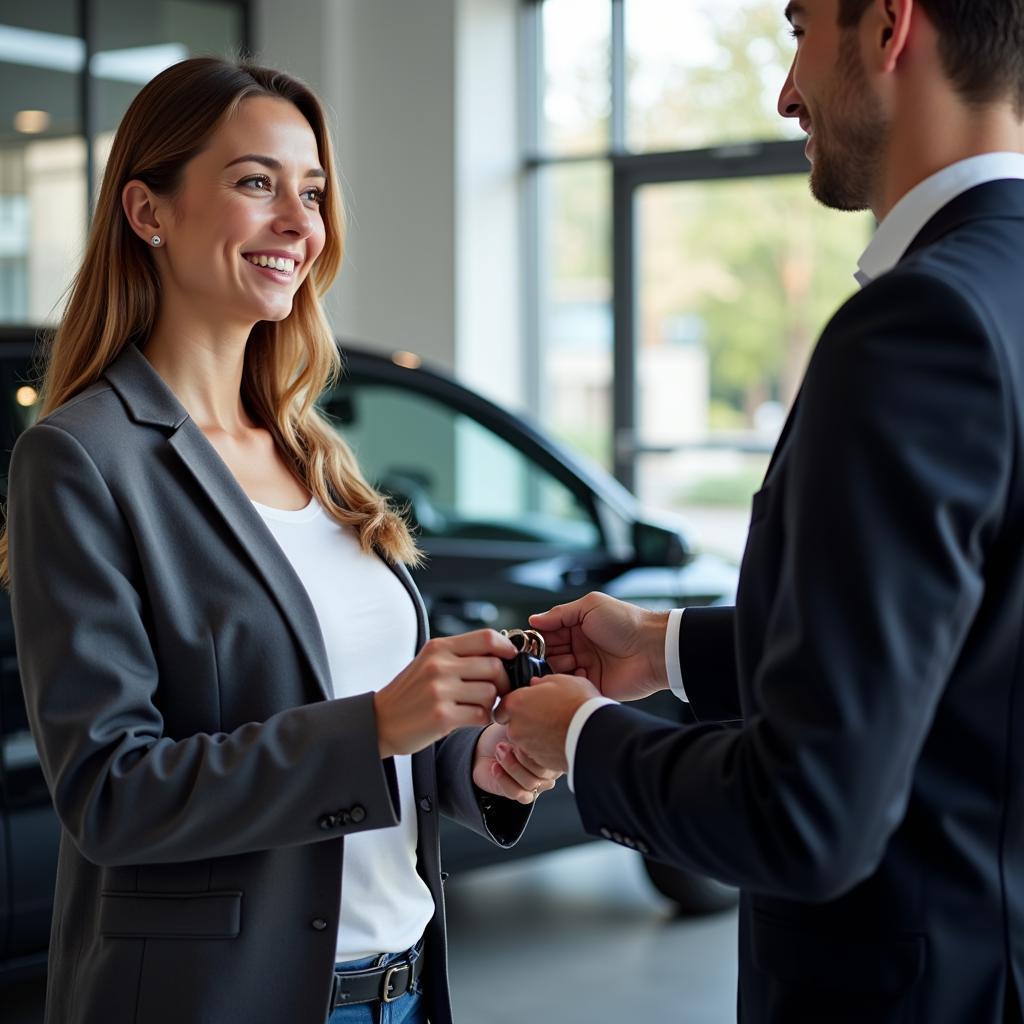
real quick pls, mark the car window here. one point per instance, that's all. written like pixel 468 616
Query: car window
pixel 459 479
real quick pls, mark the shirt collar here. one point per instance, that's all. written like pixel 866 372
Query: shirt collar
pixel 922 202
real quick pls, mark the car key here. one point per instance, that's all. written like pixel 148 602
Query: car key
pixel 529 663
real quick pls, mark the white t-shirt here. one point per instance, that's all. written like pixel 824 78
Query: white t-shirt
pixel 368 623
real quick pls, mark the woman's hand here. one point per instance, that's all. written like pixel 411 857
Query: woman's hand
pixel 453 682
pixel 501 769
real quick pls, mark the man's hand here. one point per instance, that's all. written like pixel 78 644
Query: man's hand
pixel 620 648
pixel 538 717
pixel 501 769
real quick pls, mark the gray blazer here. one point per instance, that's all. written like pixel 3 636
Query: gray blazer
pixel 177 687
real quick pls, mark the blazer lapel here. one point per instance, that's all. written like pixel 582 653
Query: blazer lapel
pixel 424 777
pixel 149 400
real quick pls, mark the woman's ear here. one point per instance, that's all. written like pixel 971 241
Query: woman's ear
pixel 143 211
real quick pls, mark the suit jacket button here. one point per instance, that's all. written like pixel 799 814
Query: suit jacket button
pixel 327 822
pixel 629 841
pixel 319 924
pixel 617 836
pixel 606 832
pixel 425 805
pixel 357 813
pixel 342 818
pixel 642 846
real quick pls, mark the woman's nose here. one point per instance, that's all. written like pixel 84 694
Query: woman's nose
pixel 293 217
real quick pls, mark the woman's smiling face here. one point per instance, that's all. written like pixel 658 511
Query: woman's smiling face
pixel 242 232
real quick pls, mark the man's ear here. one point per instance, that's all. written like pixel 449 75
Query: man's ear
pixel 143 210
pixel 892 30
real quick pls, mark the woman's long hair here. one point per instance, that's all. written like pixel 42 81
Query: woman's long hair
pixel 115 294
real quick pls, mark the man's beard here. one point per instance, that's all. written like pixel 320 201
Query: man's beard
pixel 849 140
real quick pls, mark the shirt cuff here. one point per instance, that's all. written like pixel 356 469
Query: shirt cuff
pixel 572 737
pixel 675 672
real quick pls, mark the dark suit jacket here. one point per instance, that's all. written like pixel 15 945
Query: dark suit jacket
pixel 871 805
pixel 177 686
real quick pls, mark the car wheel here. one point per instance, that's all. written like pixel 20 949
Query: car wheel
pixel 692 894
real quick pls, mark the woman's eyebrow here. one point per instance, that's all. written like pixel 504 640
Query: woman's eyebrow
pixel 273 164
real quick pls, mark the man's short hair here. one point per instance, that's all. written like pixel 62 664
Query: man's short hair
pixel 981 44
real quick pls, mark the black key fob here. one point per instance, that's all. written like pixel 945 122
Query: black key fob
pixel 529 663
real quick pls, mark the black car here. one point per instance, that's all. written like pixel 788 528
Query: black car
pixel 511 523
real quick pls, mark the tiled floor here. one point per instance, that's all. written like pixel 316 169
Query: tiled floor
pixel 577 937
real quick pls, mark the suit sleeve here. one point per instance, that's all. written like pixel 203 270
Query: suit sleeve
pixel 496 818
pixel 126 792
pixel 707 661
pixel 896 483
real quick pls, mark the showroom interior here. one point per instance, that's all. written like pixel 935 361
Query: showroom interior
pixel 580 244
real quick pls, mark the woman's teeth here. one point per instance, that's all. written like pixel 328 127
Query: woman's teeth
pixel 274 262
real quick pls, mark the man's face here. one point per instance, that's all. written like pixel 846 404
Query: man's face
pixel 828 90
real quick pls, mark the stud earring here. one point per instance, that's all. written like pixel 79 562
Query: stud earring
pixel 155 240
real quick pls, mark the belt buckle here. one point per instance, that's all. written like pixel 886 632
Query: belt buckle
pixel 385 985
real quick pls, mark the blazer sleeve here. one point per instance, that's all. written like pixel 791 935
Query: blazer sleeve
pixel 896 485
pixel 707 660
pixel 496 818
pixel 124 791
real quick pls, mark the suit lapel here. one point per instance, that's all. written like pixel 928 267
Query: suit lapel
pixel 149 400
pixel 994 199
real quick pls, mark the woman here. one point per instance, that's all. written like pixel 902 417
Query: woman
pixel 216 634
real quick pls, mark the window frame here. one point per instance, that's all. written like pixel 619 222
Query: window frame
pixel 88 96
pixel 630 172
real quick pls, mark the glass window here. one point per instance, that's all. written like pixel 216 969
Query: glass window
pixel 43 167
pixel 575 307
pixel 461 481
pixel 576 86
pixel 135 42
pixel 726 323
pixel 42 158
pixel 703 73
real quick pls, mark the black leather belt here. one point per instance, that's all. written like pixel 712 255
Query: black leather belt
pixel 386 983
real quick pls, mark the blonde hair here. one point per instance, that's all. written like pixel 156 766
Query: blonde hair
pixel 115 294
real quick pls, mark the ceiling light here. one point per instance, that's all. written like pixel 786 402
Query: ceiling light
pixel 31 122
pixel 26 396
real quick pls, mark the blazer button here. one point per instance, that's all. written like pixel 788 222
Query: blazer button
pixel 327 822
pixel 358 814
pixel 642 846
pixel 342 818
pixel 606 832
pixel 319 924
pixel 425 805
pixel 617 836
pixel 629 841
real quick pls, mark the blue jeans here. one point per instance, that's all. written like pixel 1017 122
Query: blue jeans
pixel 407 1009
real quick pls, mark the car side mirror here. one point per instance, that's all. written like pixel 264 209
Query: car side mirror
pixel 658 544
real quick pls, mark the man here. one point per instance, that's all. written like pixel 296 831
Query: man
pixel 869 797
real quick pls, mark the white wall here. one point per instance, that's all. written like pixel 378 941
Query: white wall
pixel 424 98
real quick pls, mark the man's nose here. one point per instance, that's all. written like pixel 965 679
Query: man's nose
pixel 789 99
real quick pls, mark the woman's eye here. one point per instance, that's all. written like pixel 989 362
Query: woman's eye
pixel 314 195
pixel 259 182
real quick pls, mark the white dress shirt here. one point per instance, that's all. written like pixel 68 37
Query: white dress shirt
pixel 890 242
